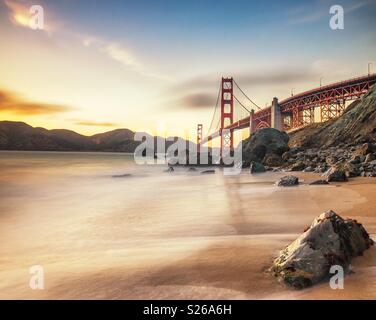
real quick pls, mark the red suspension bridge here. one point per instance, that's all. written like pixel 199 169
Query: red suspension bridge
pixel 295 112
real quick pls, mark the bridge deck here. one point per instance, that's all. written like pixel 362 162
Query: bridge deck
pixel 348 90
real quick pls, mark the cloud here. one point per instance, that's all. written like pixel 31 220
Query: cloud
pixel 276 77
pixel 12 103
pixel 197 100
pixel 19 15
pixel 201 92
pixel 119 53
pixel 96 124
pixel 257 77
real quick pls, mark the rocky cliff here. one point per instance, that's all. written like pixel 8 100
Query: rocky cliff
pixel 357 125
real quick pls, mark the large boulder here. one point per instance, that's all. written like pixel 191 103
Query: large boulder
pixel 330 240
pixel 264 143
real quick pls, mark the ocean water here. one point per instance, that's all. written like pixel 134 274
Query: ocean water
pixel 148 235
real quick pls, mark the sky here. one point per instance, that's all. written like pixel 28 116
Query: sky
pixel 156 65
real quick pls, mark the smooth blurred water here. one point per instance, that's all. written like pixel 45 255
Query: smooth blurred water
pixel 148 235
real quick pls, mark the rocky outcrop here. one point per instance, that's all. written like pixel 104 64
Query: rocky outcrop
pixel 357 125
pixel 330 240
pixel 256 167
pixel 287 181
pixel 347 144
pixel 352 160
pixel 265 146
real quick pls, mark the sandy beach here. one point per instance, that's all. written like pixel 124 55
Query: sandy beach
pixel 190 237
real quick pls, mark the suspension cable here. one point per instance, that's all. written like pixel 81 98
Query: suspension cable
pixel 246 95
pixel 215 109
pixel 241 104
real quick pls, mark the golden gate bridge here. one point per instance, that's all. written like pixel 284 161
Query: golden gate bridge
pixel 292 113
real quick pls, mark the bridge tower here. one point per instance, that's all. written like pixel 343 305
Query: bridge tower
pixel 199 136
pixel 227 113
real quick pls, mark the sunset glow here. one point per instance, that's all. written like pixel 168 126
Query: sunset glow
pixel 92 73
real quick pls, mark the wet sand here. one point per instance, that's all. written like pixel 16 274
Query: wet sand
pixel 195 237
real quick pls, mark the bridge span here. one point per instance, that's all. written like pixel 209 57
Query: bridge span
pixel 292 113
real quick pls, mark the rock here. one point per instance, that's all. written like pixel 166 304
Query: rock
pixel 245 164
pixel 330 240
pixel 207 171
pixel 286 156
pixel 369 158
pixel 262 142
pixel 321 168
pixel 330 160
pixel 192 169
pixel 125 175
pixel 355 160
pixel 170 169
pixel 319 182
pixel 308 169
pixel 364 149
pixel 298 166
pixel 335 174
pixel 272 160
pixel 351 170
pixel 288 181
pixel 368 174
pixel 256 167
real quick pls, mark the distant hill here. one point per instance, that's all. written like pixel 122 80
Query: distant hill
pixel 21 136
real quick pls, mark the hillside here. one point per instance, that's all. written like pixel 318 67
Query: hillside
pixel 356 125
pixel 21 136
